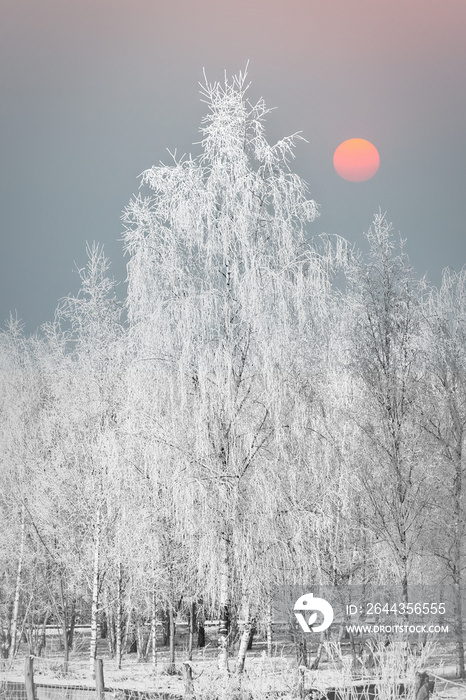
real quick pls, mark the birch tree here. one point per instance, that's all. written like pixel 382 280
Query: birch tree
pixel 87 332
pixel 387 369
pixel 444 419
pixel 20 396
pixel 219 273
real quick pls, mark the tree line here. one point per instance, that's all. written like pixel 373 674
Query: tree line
pixel 268 407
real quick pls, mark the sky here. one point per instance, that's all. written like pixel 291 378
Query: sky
pixel 93 92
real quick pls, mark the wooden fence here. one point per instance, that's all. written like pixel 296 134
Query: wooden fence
pixel 30 690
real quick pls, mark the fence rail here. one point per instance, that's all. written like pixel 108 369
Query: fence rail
pixel 30 690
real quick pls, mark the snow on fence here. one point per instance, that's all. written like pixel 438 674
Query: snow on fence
pixel 30 690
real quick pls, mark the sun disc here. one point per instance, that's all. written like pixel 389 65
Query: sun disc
pixel 356 160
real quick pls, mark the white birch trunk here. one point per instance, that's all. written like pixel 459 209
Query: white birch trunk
pixel 457 552
pixel 192 626
pixel 153 631
pixel 243 646
pixel 110 626
pixel 139 640
pixel 14 619
pixel 171 652
pixel 269 629
pixel 95 594
pixel 118 630
pixel 224 623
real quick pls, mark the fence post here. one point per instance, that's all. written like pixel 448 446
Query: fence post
pixel 188 680
pixel 99 679
pixel 29 677
pixel 301 686
pixel 423 686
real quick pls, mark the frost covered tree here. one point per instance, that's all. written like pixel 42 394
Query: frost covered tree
pixel 85 358
pixel 384 305
pixel 444 419
pixel 21 401
pixel 222 285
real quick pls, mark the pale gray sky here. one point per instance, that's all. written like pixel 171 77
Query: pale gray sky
pixel 92 92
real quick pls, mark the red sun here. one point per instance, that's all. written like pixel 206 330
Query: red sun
pixel 356 160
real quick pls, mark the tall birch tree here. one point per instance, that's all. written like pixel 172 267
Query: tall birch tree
pixel 444 419
pixel 219 274
pixel 87 332
pixel 20 408
pixel 384 303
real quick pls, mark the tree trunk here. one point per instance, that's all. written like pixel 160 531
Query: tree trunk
pixel 457 561
pixel 147 644
pixel 153 630
pixel 354 653
pixel 200 620
pixel 103 624
pixel 269 629
pixel 224 623
pixel 140 639
pixel 234 632
pixel 6 635
pixel 248 631
pixel 139 642
pixel 64 623
pixel 129 616
pixel 301 652
pixel 72 623
pixel 110 627
pixel 43 637
pixel 111 635
pixel 118 625
pixel 459 625
pixel 252 633
pixel 165 627
pixel 95 593
pixel 404 573
pixel 192 629
pixel 25 616
pixel 315 664
pixel 171 657
pixel 14 619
